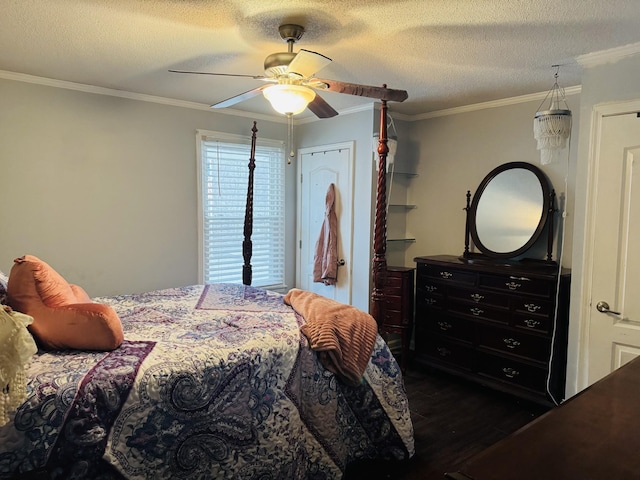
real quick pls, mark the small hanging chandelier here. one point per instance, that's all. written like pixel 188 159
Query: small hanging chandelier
pixel 552 127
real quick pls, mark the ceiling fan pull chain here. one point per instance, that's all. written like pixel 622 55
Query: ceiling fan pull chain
pixel 290 137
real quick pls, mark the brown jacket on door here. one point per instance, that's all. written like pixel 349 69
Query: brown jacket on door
pixel 325 260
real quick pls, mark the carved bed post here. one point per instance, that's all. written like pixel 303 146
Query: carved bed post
pixel 247 245
pixel 380 225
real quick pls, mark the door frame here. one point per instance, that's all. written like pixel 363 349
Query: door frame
pixel 593 166
pixel 350 145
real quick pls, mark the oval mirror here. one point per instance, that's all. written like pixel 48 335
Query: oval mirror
pixel 509 210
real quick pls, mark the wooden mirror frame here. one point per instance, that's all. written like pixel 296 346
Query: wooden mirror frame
pixel 546 217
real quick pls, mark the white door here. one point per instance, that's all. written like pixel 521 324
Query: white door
pixel 614 335
pixel 320 167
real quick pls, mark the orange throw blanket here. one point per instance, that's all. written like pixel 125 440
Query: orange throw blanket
pixel 342 335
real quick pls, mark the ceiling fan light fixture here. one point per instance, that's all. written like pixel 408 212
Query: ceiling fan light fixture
pixel 289 99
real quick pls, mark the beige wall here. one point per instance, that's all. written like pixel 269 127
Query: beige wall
pixel 456 151
pixel 104 188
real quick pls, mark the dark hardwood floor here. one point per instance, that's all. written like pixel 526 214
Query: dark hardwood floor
pixel 453 419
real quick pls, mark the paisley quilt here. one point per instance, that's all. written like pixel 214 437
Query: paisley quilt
pixel 212 382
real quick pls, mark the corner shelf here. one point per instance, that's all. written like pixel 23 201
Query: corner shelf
pixel 403 174
pixel 400 210
pixel 402 205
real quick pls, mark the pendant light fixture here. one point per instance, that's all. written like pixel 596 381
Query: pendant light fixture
pixel 552 126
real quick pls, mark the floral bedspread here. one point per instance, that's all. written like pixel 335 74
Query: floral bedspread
pixel 211 382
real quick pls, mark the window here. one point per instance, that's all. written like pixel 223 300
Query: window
pixel 223 161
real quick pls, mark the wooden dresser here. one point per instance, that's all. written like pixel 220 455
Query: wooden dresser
pixel 398 310
pixel 494 323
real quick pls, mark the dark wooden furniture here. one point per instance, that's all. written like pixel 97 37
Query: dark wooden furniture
pixel 247 244
pixel 494 323
pixel 379 260
pixel 593 435
pixel 398 308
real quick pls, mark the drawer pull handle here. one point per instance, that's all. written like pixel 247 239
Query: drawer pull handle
pixel 510 372
pixel 524 279
pixel 431 288
pixel 476 311
pixel 511 342
pixel 446 274
pixel 513 285
pixel 532 307
pixel 444 352
pixel 476 297
pixel 531 323
pixel 444 326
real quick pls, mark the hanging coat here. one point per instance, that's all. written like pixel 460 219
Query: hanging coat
pixel 325 259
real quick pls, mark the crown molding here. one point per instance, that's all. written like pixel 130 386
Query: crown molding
pixel 81 87
pixel 611 55
pixel 493 104
pixel 143 97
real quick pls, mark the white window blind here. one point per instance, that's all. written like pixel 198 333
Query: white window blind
pixel 224 173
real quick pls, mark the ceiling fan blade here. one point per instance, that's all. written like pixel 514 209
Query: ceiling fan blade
pixel 381 93
pixel 255 77
pixel 307 63
pixel 239 98
pixel 320 108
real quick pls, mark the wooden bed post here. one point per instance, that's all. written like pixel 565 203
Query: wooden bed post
pixel 380 225
pixel 247 245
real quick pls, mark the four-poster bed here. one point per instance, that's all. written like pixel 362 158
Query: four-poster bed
pixel 207 381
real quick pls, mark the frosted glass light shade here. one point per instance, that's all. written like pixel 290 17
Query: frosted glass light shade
pixel 289 99
pixel 551 129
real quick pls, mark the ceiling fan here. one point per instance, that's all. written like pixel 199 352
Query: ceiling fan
pixel 290 77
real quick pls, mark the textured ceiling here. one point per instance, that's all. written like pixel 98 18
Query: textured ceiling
pixel 445 53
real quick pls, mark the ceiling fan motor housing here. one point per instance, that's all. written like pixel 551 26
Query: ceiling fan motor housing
pixel 276 64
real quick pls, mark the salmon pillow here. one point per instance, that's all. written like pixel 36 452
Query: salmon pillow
pixel 64 317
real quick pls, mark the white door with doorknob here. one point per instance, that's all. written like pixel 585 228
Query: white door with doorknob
pixel 614 309
pixel 319 167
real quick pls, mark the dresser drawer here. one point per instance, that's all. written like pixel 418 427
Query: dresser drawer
pixel 450 326
pixel 448 274
pixel 513 372
pixel 517 283
pixel 482 297
pixel 429 300
pixel 393 302
pixel 533 323
pixel 480 312
pixel 533 305
pixel 395 317
pixel 443 350
pixel 533 347
pixel 429 287
pixel 394 280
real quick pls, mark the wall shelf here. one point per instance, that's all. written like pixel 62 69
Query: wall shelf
pixel 398 210
pixel 403 174
pixel 402 205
